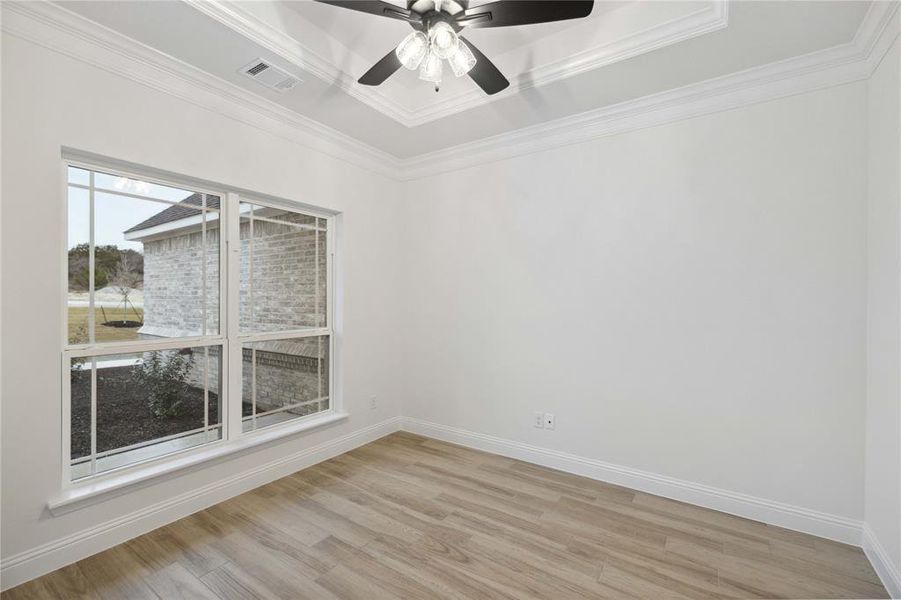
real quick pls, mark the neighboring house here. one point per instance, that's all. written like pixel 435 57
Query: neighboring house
pixel 280 290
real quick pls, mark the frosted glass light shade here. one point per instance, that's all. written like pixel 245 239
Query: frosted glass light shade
pixel 431 68
pixel 461 60
pixel 444 39
pixel 412 50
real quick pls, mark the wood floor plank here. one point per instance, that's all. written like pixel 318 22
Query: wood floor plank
pixel 231 584
pixel 412 517
pixel 116 574
pixel 36 589
pixel 384 517
pixel 70 582
pixel 379 573
pixel 854 564
pixel 175 582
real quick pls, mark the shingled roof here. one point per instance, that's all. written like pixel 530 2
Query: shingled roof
pixel 182 210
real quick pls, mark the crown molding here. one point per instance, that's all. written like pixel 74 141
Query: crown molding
pixel 51 26
pixel 846 63
pixel 58 29
pixel 712 17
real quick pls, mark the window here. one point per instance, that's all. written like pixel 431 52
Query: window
pixel 167 334
pixel 283 288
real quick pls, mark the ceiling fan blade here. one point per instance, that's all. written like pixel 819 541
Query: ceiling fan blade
pixel 382 70
pixel 376 7
pixel 505 13
pixel 484 73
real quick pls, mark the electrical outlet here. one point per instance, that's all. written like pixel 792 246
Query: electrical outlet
pixel 539 420
pixel 373 403
pixel 549 421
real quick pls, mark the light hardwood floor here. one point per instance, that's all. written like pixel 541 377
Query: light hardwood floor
pixel 411 517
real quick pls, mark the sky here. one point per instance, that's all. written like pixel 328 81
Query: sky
pixel 113 213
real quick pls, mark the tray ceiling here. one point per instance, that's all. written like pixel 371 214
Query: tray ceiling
pixel 625 50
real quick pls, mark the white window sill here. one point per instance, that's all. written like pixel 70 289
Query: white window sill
pixel 91 492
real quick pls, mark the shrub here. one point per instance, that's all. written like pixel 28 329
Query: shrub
pixel 163 375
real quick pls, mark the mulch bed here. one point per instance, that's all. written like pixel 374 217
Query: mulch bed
pixel 123 412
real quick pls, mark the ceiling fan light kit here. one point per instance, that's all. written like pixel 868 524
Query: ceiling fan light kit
pixel 443 39
pixel 432 68
pixel 437 25
pixel 412 50
pixel 461 60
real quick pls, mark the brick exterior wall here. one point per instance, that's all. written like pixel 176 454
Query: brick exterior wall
pixel 173 295
pixel 286 294
pixel 285 291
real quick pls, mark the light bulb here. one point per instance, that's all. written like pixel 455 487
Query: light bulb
pixel 443 38
pixel 431 68
pixel 461 60
pixel 412 49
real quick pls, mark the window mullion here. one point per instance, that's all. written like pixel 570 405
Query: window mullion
pixel 110 348
pixel 331 302
pixel 91 267
pixel 233 394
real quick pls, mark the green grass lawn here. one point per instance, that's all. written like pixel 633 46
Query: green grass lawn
pixel 78 318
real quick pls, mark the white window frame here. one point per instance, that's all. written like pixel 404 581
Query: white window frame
pixel 229 337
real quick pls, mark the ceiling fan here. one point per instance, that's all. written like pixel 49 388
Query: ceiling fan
pixel 436 36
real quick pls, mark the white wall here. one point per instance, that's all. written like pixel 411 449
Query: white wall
pixel 49 101
pixel 689 300
pixel 883 427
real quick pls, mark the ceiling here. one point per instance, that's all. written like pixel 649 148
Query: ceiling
pixel 622 51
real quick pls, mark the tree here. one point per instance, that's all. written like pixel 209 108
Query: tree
pixel 125 279
pixel 106 261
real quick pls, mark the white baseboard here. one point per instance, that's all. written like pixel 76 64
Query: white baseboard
pixel 825 525
pixel 48 557
pixel 879 558
pixel 33 563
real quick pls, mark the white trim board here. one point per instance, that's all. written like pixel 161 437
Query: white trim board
pixel 48 557
pixel 54 27
pixel 882 563
pixel 51 26
pixel 712 17
pixel 797 518
pixel 53 555
pixel 847 63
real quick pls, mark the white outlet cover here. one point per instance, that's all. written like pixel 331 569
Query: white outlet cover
pixel 549 421
pixel 539 420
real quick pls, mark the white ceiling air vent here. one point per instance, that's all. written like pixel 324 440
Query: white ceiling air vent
pixel 269 75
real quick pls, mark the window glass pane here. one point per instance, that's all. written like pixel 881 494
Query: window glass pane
pixel 118 267
pixel 284 380
pixel 148 404
pixel 180 250
pixel 117 183
pixel 78 244
pixel 79 176
pixel 156 266
pixel 283 270
pixel 181 270
pixel 80 408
